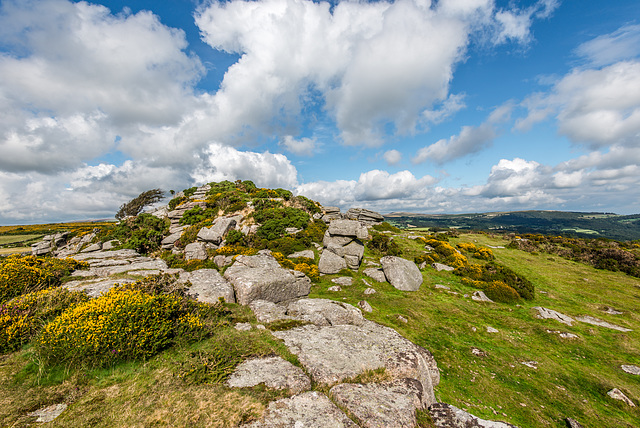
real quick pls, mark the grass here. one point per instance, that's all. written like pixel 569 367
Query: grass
pixel 571 379
pixel 15 250
pixel 573 376
pixel 12 239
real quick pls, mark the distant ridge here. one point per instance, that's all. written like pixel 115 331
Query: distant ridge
pixel 579 224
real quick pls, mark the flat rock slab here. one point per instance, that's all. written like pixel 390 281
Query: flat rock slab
pixel 260 277
pixel 441 267
pixel 320 312
pixel 544 313
pixel 401 273
pixel 155 264
pixel 48 414
pixel 445 415
pixel 310 409
pixel 118 254
pixel 332 354
pixel 634 370
pixel 207 286
pixel 375 274
pixel 331 263
pixel 95 288
pixel 596 321
pixel 309 254
pixel 616 394
pixel 343 280
pixel 479 296
pixel 274 372
pixel 381 405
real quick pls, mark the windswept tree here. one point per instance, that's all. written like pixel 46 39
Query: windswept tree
pixel 135 206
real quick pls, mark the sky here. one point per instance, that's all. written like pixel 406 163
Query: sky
pixel 447 106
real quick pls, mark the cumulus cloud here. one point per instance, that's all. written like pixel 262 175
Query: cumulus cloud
pixel 290 47
pixel 264 169
pixel 302 147
pixel 392 157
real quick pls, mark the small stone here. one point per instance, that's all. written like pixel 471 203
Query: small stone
pixel 402 319
pixel 478 352
pixel 334 288
pixel 442 267
pixel 572 423
pixel 532 364
pixel 365 306
pixel 261 327
pixel 48 414
pixel 369 291
pixel 479 296
pixel 611 311
pixel 634 370
pixel 473 329
pixel 568 336
pixel 442 287
pixel 616 394
pixel 343 280
pixel 242 326
pixel 491 330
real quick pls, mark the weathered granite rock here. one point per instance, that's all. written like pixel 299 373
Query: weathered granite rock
pixel 93 247
pixel 611 311
pixel 216 232
pixel 41 248
pixel 155 264
pixel 334 288
pixel 572 423
pixel 616 394
pixel 365 306
pixel 222 261
pixel 492 330
pixel 310 409
pixel 95 287
pixel 401 273
pixel 49 413
pixel 442 267
pixel 306 253
pixel 544 313
pixel 364 215
pixel 323 312
pixel 369 291
pixel 343 280
pixel 445 415
pixel 195 251
pixel 274 372
pixel 334 353
pixel 260 277
pixel 331 214
pixel 381 405
pixel 348 228
pixel 634 370
pixel 375 274
pixel 268 311
pixel 442 287
pixel 207 286
pixel 110 245
pixel 171 239
pixel 479 296
pixel 331 263
pixel 596 321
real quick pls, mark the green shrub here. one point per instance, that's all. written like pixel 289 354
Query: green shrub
pixel 498 291
pixel 26 274
pixel 234 237
pixel 190 191
pixel 143 233
pixel 276 220
pixel 384 245
pixel 22 317
pixel 197 214
pixel 491 272
pixel 173 203
pixel 126 323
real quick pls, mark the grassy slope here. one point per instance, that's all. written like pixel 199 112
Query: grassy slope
pixel 571 380
pixel 573 376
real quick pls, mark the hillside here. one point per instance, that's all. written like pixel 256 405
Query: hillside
pixel 579 224
pixel 320 289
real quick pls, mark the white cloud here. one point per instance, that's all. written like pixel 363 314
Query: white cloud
pixel 622 44
pixel 302 147
pixel 470 140
pixel 595 107
pixel 288 47
pixel 392 157
pixel 264 169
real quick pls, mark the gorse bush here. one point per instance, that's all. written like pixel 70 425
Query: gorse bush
pixel 22 317
pixel 481 253
pixel 197 214
pixel 126 323
pixel 383 245
pixel 442 252
pixel 26 274
pixel 481 275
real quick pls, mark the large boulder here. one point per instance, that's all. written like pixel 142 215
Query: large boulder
pixel 445 415
pixel 375 274
pixel 384 405
pixel 364 215
pixel 334 353
pixel 324 312
pixel 331 263
pixel 310 409
pixel 216 232
pixel 350 228
pixel 274 372
pixel 195 251
pixel 401 273
pixel 207 286
pixel 261 277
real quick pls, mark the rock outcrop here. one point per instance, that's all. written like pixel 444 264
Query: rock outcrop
pixel 274 372
pixel 261 277
pixel 208 286
pixel 342 246
pixel 445 415
pixel 401 273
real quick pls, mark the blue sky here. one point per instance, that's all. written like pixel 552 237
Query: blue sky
pixel 424 106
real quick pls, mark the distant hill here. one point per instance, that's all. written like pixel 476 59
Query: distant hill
pixel 579 224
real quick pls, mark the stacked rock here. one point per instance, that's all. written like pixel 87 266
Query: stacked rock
pixel 343 247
